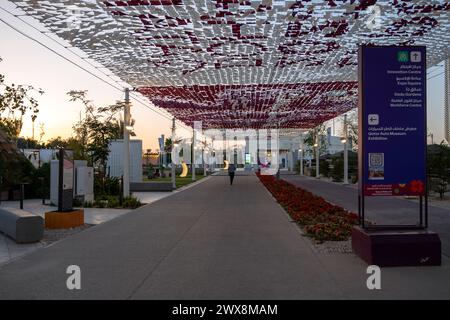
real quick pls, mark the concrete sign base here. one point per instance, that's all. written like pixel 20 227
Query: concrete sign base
pixel 392 248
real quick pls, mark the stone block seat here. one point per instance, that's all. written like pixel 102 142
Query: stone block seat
pixel 20 225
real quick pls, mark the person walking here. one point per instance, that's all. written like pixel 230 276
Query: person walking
pixel 231 171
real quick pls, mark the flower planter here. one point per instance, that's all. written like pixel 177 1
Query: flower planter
pixel 319 219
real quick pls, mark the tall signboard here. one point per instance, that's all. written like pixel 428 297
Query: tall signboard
pixel 65 192
pixel 392 122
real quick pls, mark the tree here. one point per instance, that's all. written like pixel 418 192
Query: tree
pixel 41 131
pixel 28 143
pixel 352 124
pixel 438 167
pixel 56 143
pixel 168 149
pixel 97 128
pixel 312 135
pixel 11 127
pixel 15 102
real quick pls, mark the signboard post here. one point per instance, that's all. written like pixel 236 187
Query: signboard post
pixel 66 216
pixel 65 194
pixel 392 153
pixel 392 122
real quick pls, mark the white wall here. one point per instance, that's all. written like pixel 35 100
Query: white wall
pixel 115 159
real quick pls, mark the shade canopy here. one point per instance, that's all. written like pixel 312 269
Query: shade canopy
pixel 242 63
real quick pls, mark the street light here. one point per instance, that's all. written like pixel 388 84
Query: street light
pixel 300 151
pixel 129 128
pixel 344 141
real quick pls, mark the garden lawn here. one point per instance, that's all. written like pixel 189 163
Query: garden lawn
pixel 320 219
pixel 180 182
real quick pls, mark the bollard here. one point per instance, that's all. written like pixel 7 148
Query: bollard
pixel 121 191
pixel 22 195
pixel 42 190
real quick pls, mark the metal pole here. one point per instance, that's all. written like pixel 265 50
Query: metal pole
pixel 345 150
pixel 60 179
pixel 121 191
pixel 22 195
pixel 300 153
pixel 257 148
pixel 302 170
pixel 194 138
pixel 293 159
pixel 447 100
pixel 204 158
pixel 126 145
pixel 301 160
pixel 277 155
pixel 224 145
pixel 42 189
pixel 317 154
pixel 212 158
pixel 174 184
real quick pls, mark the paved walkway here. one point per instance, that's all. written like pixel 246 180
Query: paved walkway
pixel 211 241
pixel 9 249
pixel 382 210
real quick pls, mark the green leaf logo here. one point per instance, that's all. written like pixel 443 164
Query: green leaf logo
pixel 402 56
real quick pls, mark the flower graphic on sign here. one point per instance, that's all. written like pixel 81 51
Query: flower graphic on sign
pixel 416 186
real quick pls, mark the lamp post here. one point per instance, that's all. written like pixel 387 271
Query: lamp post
pixel 316 146
pixel 300 152
pixel 291 160
pixel 174 184
pixel 126 145
pixel 194 137
pixel 224 145
pixel 204 157
pixel 345 142
pixel 212 157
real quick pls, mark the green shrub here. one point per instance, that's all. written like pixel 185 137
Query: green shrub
pixel 100 203
pixel 113 202
pixel 104 186
pixel 77 202
pixel 324 168
pixel 131 202
pixel 338 170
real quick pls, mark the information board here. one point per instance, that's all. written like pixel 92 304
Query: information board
pixel 65 185
pixel 392 120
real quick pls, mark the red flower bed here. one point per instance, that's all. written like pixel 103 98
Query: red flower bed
pixel 320 219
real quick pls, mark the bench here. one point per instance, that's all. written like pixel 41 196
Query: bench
pixel 22 226
pixel 150 186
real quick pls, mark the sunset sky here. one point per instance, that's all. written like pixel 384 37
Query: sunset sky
pixel 26 62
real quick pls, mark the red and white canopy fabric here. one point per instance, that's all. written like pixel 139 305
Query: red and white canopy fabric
pixel 256 106
pixel 244 63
